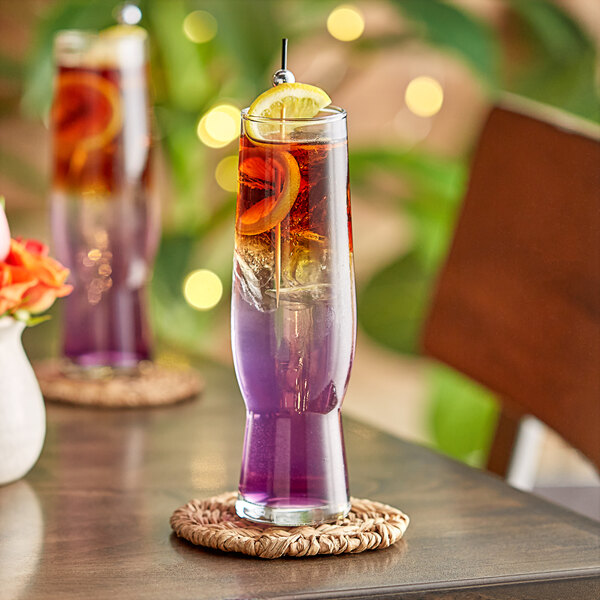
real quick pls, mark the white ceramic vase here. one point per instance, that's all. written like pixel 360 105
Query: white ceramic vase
pixel 22 412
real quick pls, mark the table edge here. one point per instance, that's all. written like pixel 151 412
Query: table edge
pixel 448 586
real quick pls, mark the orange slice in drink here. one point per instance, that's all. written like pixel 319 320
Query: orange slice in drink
pixel 86 114
pixel 263 170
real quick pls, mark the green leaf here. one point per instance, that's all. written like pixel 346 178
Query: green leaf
pixel 391 307
pixel 73 14
pixel 250 35
pixel 428 174
pixel 444 25
pixel 393 303
pixel 187 159
pixel 33 321
pixel 559 64
pixel 183 64
pixel 434 225
pixel 462 415
pixel 29 319
pixel 436 188
pixel 554 30
pixel 22 172
pixel 171 264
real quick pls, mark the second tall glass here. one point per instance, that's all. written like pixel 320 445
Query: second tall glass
pixel 293 316
pixel 104 212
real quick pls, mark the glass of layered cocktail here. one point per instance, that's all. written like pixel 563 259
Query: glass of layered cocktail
pixel 104 214
pixel 293 306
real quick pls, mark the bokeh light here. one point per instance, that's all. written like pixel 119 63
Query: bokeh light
pixel 226 173
pixel 200 26
pixel 130 14
pixel 202 289
pixel 345 23
pixel 424 96
pixel 219 126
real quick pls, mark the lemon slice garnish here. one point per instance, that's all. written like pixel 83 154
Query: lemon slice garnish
pixel 296 100
pixel 270 211
pixel 284 101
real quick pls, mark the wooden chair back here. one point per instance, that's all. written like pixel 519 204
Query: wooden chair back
pixel 517 304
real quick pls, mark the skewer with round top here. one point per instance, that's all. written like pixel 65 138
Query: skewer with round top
pixel 283 75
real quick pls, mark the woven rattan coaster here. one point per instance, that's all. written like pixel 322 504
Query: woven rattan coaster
pixel 148 385
pixel 213 523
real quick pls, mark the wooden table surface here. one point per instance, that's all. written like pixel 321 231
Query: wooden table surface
pixel 92 519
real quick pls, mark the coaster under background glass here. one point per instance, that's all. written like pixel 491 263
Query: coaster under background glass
pixel 213 523
pixel 148 384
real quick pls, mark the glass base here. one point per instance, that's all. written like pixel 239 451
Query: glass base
pixel 81 370
pixel 107 358
pixel 290 516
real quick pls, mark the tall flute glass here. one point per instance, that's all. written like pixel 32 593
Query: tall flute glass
pixel 293 316
pixel 104 213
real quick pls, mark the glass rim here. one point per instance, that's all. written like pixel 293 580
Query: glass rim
pixel 336 113
pixel 88 49
pixel 82 40
pixel 74 32
pixel 73 39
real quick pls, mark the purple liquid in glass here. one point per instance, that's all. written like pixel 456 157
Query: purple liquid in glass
pixel 293 384
pixel 293 354
pixel 105 319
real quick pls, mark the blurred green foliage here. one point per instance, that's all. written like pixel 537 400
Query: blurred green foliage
pixel 456 31
pixel 556 66
pixel 462 415
pixel 562 60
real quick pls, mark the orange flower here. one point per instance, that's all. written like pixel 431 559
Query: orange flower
pixel 29 279
pixel 14 283
pixel 4 232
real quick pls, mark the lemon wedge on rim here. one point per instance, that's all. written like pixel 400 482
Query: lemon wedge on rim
pixel 284 101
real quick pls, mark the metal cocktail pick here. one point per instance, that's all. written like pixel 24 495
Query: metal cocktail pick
pixel 282 75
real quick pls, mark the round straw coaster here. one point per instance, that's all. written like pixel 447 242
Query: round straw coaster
pixel 148 385
pixel 213 523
